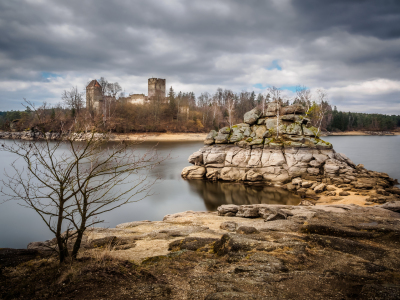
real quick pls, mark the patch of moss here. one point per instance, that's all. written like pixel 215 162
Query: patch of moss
pixel 321 141
pixel 314 130
pixel 268 140
pixel 272 131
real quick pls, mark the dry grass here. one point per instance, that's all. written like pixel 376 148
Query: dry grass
pixel 45 277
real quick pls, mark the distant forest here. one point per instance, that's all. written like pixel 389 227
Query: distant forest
pixel 184 112
pixel 346 121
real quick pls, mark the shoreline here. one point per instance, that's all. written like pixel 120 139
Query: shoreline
pixel 363 133
pixel 160 137
pixel 200 137
pixel 184 137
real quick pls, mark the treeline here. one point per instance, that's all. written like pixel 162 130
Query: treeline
pixel 347 121
pixel 183 112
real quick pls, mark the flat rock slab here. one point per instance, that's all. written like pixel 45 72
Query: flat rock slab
pixel 239 252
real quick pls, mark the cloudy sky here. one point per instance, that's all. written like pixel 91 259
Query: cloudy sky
pixel 351 48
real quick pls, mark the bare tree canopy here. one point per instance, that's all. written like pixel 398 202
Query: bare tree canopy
pixel 70 190
pixel 73 99
pixel 113 89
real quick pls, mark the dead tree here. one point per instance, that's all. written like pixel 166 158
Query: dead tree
pixel 71 184
pixel 230 107
pixel 303 96
pixel 275 94
pixel 322 101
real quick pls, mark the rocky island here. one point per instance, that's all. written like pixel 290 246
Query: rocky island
pixel 280 147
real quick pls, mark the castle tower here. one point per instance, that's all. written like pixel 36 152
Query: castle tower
pixel 156 88
pixel 93 96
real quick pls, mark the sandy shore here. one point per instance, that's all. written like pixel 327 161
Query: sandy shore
pixel 357 198
pixel 180 137
pixel 161 137
pixel 359 133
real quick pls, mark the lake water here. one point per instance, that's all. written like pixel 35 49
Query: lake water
pixel 172 194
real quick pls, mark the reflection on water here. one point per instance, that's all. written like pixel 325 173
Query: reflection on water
pixel 215 194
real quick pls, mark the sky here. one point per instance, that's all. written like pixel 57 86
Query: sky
pixel 350 48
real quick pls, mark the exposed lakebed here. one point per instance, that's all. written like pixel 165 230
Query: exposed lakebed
pixel 172 194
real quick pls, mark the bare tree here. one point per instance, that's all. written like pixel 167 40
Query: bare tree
pixel 109 92
pixel 215 110
pixel 104 85
pixel 275 94
pixel 204 101
pixel 303 96
pixel 73 99
pixel 322 100
pixel 71 189
pixel 230 107
pixel 112 90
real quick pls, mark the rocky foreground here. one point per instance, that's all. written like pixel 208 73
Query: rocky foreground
pixel 250 252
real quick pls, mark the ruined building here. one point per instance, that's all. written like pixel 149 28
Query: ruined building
pixel 94 97
pixel 156 90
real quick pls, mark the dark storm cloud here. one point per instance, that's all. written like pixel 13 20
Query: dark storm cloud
pixel 380 19
pixel 331 44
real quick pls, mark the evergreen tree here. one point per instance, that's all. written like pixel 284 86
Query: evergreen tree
pixel 172 103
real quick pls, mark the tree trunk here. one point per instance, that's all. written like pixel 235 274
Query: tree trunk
pixel 81 230
pixel 63 251
pixel 78 241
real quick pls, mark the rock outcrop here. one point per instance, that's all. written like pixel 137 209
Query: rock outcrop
pixel 250 252
pixel 277 150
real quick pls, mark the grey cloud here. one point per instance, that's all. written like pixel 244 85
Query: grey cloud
pixel 185 39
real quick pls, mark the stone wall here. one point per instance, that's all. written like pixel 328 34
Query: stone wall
pixel 136 99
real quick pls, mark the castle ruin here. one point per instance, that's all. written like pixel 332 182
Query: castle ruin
pixel 156 87
pixel 95 98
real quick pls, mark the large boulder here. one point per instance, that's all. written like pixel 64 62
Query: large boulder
pixel 271 124
pixel 215 158
pixel 294 129
pixel 310 131
pixel 196 158
pixel 210 139
pixel 252 116
pixel 272 108
pixel 293 109
pixel 232 174
pixel 241 158
pixel 239 132
pixel 259 131
pixel 193 172
pixel 225 130
pixel 222 138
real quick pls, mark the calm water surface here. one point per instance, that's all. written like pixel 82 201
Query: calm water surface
pixel 19 225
